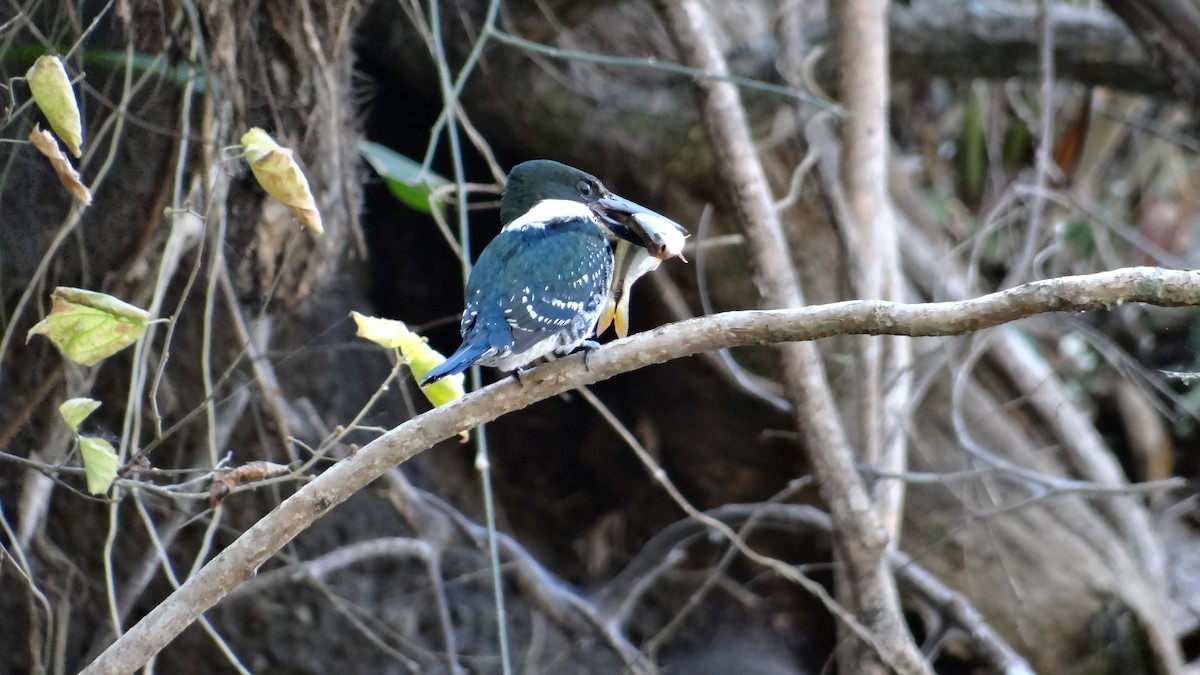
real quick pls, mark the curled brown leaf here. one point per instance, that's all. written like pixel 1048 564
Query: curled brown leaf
pixel 45 143
pixel 224 484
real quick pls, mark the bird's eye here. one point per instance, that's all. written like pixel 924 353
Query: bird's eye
pixel 585 188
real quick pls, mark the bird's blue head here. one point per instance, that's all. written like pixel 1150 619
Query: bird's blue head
pixel 541 190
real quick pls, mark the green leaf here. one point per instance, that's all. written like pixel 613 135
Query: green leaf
pixel 76 410
pixel 87 326
pixel 972 159
pixel 1078 233
pixel 140 62
pixel 99 463
pixel 402 175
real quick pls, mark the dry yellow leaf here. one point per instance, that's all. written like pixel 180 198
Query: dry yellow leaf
pixel 45 143
pixel 277 172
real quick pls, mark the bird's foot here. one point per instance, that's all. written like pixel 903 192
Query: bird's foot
pixel 516 373
pixel 587 347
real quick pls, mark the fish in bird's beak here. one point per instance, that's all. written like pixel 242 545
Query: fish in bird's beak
pixel 645 239
pixel 659 235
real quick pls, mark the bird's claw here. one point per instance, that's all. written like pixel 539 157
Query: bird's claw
pixel 587 347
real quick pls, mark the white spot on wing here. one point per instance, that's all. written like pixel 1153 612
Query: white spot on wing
pixel 572 305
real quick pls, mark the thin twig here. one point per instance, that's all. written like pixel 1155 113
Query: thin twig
pixel 161 550
pixel 616 604
pixel 450 93
pixel 654 64
pixel 722 359
pixel 1023 268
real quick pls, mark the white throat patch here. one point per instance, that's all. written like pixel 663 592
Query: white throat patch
pixel 551 209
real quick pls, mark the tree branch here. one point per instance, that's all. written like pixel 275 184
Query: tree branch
pixel 1169 29
pixel 242 558
pixel 999 39
pixel 873 258
pixel 860 537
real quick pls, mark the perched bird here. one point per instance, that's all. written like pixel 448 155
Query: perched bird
pixel 542 284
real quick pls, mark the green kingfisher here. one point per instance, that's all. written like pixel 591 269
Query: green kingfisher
pixel 543 284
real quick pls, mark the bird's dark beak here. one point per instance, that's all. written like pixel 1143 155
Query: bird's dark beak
pixel 634 223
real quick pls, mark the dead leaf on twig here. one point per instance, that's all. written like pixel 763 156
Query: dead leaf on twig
pixel 45 143
pixel 276 170
pixel 251 472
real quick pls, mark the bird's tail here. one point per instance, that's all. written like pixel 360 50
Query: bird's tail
pixel 470 352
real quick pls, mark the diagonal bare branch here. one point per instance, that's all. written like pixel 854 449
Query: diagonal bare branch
pixel 240 560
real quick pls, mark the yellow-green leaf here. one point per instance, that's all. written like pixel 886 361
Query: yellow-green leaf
pixel 276 170
pixel 76 410
pixel 416 352
pixel 53 94
pixel 99 463
pixel 383 332
pixel 87 326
